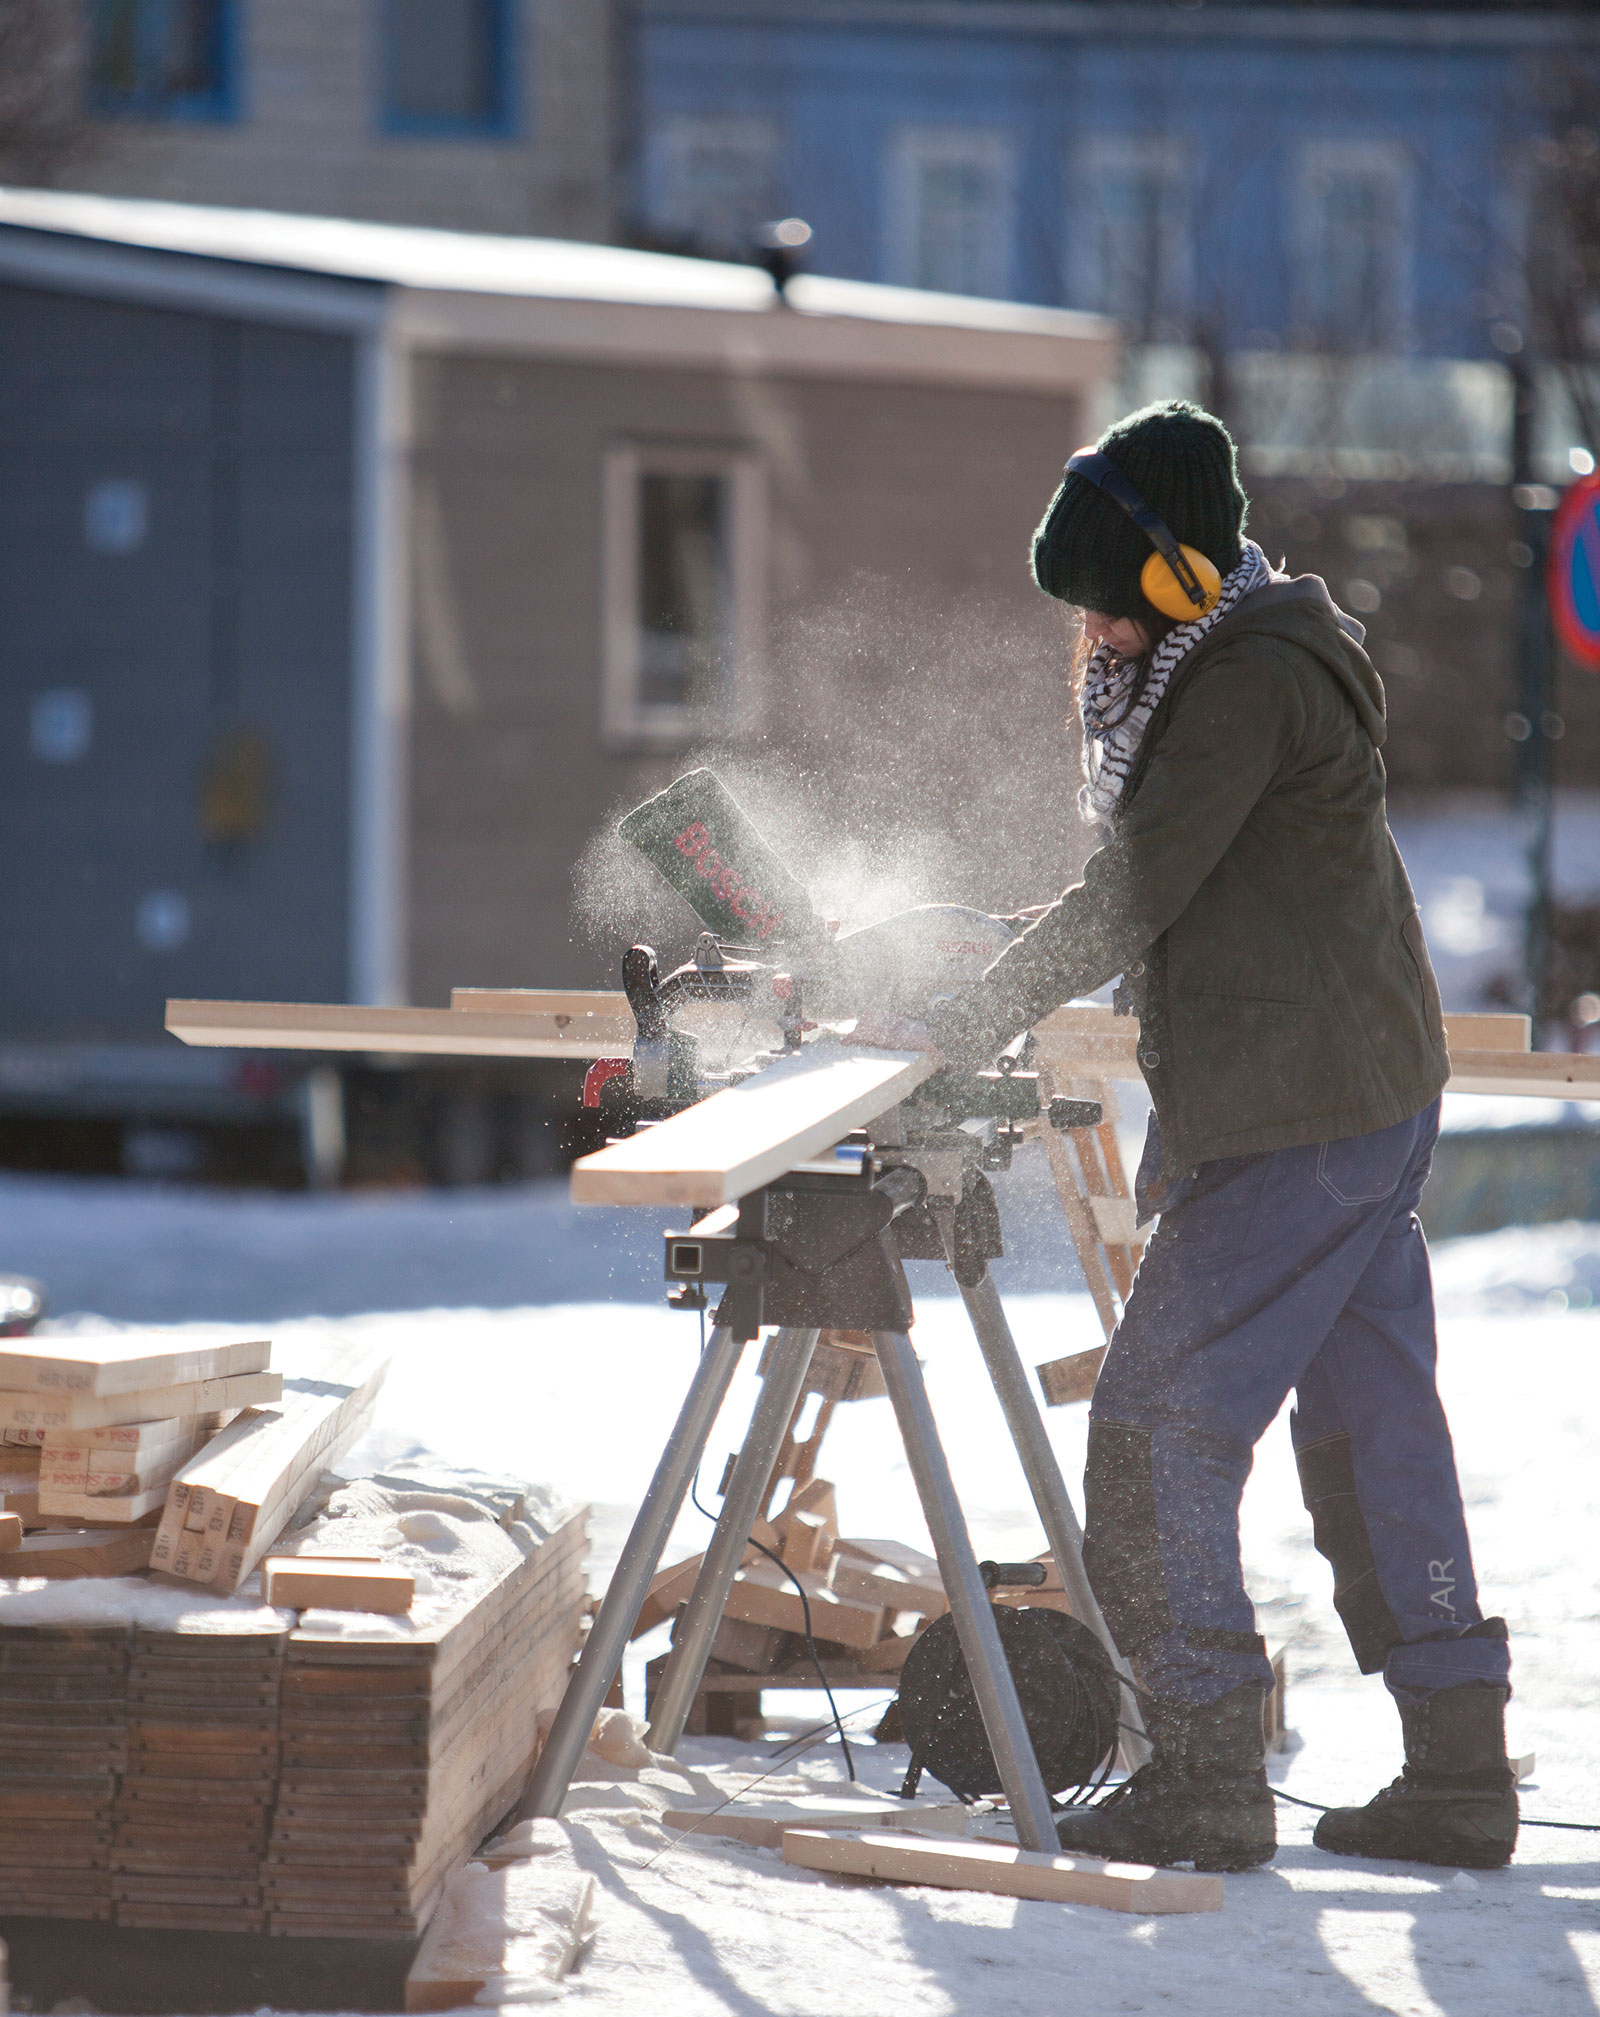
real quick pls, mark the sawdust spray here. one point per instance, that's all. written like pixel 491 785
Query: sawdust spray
pixel 907 754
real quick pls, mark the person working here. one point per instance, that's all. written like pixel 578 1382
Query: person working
pixel 1251 897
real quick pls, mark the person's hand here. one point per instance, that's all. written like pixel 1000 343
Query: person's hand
pixel 886 1032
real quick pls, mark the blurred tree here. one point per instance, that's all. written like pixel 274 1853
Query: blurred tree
pixel 42 126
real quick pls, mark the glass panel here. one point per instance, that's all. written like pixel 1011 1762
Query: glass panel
pixel 442 61
pixel 685 590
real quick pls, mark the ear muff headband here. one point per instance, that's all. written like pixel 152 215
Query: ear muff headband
pixel 1177 580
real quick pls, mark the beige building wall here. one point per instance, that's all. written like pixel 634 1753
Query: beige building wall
pixel 307 136
pixel 910 739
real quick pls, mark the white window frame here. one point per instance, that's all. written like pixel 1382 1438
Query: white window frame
pixel 914 149
pixel 626 721
pixel 674 140
pixel 1388 161
pixel 1096 161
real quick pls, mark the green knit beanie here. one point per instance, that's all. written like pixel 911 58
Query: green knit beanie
pixel 1089 552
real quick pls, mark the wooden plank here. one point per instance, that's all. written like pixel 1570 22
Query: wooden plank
pixel 412 1032
pixel 997 1867
pixel 718 1150
pixel 1473 1032
pixel 93 1551
pixel 126 1511
pixel 1086 1038
pixel 242 1487
pixel 763 1595
pixel 10 1532
pixel 1064 1381
pixel 121 1363
pixel 304 1582
pixel 40 1414
pixel 1542 1075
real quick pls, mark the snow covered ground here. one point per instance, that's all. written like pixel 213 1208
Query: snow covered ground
pixel 531 1340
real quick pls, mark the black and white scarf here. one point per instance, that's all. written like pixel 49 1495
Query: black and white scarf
pixel 1121 694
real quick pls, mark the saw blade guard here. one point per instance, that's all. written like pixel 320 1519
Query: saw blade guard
pixel 699 837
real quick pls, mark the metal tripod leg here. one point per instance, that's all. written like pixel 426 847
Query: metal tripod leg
pixel 969 1601
pixel 1045 1482
pixel 741 1504
pixel 602 1653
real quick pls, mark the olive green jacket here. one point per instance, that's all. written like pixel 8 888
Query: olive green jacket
pixel 1253 897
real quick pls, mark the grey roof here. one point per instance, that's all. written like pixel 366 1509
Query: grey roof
pixel 461 262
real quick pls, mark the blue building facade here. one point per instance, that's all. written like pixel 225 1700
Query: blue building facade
pixel 1266 183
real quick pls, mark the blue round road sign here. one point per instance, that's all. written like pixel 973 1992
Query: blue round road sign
pixel 1574 578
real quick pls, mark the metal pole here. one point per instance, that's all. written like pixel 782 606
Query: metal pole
pixel 1534 724
pixel 969 1601
pixel 686 1664
pixel 608 1636
pixel 1057 1514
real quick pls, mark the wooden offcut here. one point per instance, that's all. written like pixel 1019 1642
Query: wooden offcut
pixel 997 1867
pixel 746 1135
pixel 1064 1381
pixel 333 1583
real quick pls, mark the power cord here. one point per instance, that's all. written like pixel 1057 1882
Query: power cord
pixel 805 1604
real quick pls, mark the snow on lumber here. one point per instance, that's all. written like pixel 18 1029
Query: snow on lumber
pixel 228 1504
pixel 120 1363
pixel 741 1138
pixel 996 1866
pixel 551 1024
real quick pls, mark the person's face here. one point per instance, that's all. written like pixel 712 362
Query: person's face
pixel 1124 634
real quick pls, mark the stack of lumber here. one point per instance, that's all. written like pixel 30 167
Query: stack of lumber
pixel 400 1750
pixel 195 1799
pixel 180 1759
pixel 63 1743
pixel 226 1506
pixel 92 1428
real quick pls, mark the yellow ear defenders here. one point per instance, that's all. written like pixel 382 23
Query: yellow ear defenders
pixel 1177 580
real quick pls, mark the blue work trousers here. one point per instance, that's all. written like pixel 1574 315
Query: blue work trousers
pixel 1306 1269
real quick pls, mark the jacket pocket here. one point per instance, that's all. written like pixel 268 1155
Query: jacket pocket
pixel 1417 952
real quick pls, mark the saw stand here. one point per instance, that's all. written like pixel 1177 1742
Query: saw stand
pixel 822 1248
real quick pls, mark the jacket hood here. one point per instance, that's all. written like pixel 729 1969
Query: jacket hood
pixel 1301 612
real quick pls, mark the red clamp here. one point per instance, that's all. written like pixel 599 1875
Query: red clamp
pixel 596 1076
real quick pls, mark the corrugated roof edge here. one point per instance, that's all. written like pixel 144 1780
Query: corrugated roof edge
pixel 419 257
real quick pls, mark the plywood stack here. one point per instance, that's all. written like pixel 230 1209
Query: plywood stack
pixel 194 1805
pixel 400 1751
pixel 227 1505
pixel 63 1741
